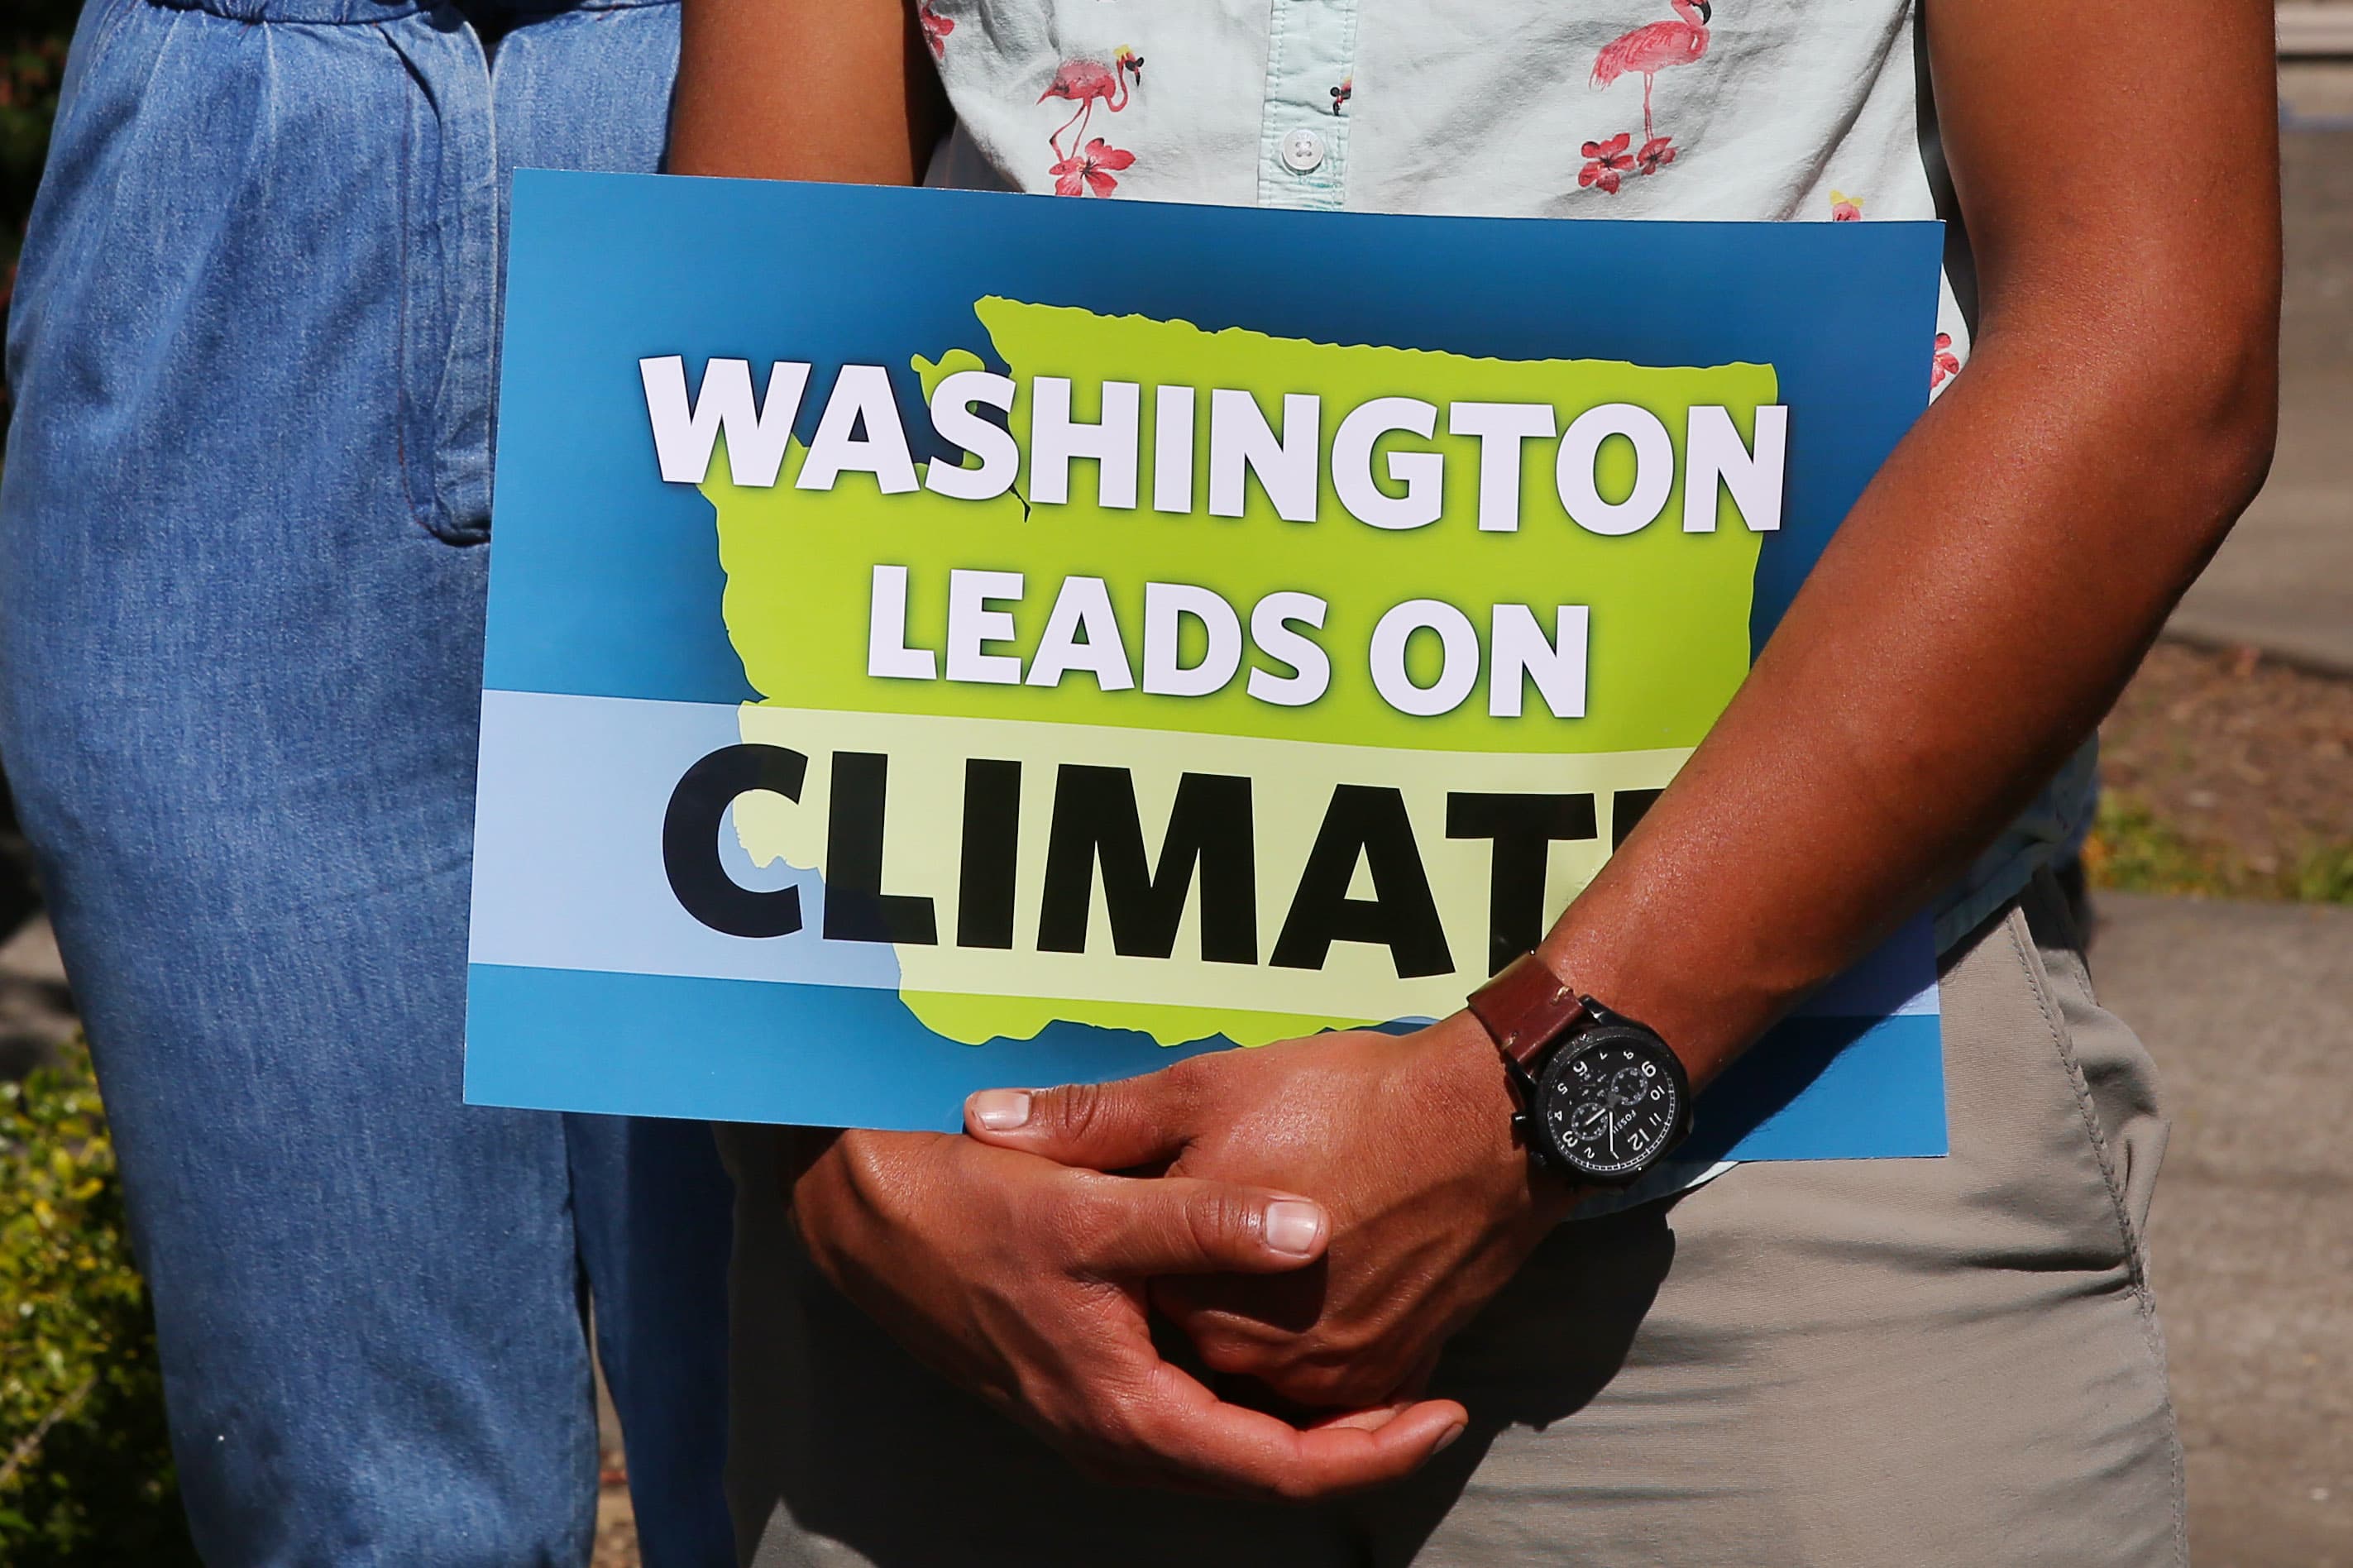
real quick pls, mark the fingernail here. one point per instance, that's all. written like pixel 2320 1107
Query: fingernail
pixel 1447 1441
pixel 1001 1109
pixel 1292 1225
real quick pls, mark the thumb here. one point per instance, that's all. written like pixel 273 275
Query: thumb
pixel 1111 1126
pixel 1130 1226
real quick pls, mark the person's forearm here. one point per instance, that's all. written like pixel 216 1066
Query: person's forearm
pixel 1992 590
pixel 1975 617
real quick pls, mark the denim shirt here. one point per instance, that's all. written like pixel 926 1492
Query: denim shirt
pixel 1786 111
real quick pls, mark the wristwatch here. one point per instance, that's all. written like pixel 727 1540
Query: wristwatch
pixel 1602 1099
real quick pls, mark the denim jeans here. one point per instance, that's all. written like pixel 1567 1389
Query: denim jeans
pixel 242 530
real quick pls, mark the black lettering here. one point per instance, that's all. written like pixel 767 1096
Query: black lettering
pixel 690 839
pixel 1096 822
pixel 856 907
pixel 1523 828
pixel 992 841
pixel 1370 823
pixel 1626 808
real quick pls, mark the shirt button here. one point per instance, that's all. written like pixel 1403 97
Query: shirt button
pixel 1303 150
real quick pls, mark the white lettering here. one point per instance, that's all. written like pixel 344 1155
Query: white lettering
pixel 1500 429
pixel 1654 467
pixel 684 434
pixel 1712 451
pixel 1457 671
pixel 1164 604
pixel 1517 647
pixel 1423 474
pixel 888 657
pixel 1055 438
pixel 972 625
pixel 1172 448
pixel 1239 438
pixel 953 419
pixel 1083 605
pixel 861 394
pixel 1271 622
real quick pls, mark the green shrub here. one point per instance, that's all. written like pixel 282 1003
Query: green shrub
pixel 85 1468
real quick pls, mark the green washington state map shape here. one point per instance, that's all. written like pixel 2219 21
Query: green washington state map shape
pixel 1670 639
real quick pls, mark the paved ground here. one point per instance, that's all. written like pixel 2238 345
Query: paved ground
pixel 35 1009
pixel 2284 580
pixel 2248 1009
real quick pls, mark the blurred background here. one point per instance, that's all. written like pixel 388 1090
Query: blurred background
pixel 2226 830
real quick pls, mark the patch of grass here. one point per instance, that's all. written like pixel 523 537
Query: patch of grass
pixel 2131 849
pixel 2324 876
pixel 2134 849
pixel 86 1472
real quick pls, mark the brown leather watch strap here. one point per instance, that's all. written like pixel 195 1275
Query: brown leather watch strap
pixel 1526 1007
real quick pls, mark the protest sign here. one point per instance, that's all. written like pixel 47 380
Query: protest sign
pixel 940 641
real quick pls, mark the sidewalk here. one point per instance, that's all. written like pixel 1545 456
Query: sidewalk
pixel 2248 1009
pixel 2309 27
pixel 2283 582
pixel 36 1008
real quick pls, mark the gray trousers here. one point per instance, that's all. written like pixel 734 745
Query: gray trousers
pixel 1893 1361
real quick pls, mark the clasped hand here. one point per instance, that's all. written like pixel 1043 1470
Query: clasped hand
pixel 1318 1216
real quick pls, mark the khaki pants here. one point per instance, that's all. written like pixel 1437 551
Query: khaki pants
pixel 1895 1362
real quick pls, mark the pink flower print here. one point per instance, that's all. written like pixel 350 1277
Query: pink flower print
pixel 1656 155
pixel 1947 363
pixel 1088 173
pixel 1845 208
pixel 1605 164
pixel 937 29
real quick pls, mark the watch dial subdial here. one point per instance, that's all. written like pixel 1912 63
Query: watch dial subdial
pixel 1610 1105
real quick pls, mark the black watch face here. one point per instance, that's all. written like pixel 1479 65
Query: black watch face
pixel 1610 1103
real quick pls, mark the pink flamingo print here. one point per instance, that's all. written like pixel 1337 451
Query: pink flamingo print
pixel 937 29
pixel 1087 83
pixel 1652 47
